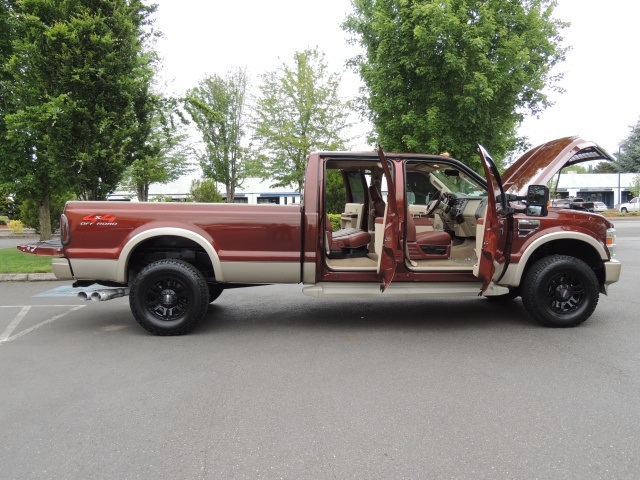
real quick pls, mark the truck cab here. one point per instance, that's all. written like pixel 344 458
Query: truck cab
pixel 443 229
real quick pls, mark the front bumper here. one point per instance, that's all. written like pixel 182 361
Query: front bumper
pixel 612 270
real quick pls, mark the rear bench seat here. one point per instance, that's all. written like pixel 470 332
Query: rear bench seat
pixel 345 242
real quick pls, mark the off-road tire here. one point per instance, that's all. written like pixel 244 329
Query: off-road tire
pixel 169 297
pixel 560 291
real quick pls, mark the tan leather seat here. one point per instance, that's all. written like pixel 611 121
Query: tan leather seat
pixel 428 245
pixel 344 241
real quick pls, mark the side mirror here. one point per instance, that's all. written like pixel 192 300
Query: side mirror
pixel 537 201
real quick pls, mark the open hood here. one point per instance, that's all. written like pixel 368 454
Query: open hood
pixel 540 164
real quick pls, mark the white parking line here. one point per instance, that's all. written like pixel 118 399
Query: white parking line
pixel 14 323
pixel 24 310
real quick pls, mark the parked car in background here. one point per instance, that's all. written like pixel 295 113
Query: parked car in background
pixel 573 203
pixel 632 205
pixel 600 207
pixel 578 203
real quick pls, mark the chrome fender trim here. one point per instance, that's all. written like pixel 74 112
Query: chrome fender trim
pixel 123 259
pixel 513 276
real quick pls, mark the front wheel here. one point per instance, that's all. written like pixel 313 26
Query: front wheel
pixel 169 297
pixel 623 210
pixel 560 291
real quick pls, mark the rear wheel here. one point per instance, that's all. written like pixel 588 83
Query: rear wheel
pixel 560 291
pixel 169 297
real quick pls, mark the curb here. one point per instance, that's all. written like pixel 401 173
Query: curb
pixel 27 277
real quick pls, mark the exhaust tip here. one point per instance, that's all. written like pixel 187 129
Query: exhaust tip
pixel 96 296
pixel 84 296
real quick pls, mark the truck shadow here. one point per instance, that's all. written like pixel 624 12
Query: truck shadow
pixel 432 314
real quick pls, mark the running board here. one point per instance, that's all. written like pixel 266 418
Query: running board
pixel 424 290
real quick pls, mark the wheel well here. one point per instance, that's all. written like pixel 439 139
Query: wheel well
pixel 571 248
pixel 166 247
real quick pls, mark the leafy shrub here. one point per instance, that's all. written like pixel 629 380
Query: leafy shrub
pixel 204 191
pixel 334 218
pixel 161 198
pixel 16 226
pixel 29 211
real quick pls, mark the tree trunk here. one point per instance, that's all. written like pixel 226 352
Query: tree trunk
pixel 230 193
pixel 44 218
pixel 143 192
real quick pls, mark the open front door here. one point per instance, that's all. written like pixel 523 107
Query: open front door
pixel 387 257
pixel 496 240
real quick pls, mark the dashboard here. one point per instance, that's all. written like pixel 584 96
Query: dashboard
pixel 461 214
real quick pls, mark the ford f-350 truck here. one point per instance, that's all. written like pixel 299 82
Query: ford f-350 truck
pixel 443 230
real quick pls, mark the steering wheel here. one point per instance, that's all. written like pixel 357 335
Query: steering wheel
pixel 434 204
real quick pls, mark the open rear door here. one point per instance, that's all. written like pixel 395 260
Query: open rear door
pixel 496 241
pixel 387 257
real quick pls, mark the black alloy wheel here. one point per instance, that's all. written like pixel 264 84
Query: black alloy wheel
pixel 560 291
pixel 169 297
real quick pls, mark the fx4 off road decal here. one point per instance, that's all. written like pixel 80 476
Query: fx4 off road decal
pixel 95 219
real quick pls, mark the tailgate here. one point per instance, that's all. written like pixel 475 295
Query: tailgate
pixel 46 248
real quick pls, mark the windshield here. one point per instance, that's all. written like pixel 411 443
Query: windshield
pixel 457 182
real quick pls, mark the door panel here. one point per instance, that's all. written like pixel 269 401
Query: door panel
pixel 496 231
pixel 387 256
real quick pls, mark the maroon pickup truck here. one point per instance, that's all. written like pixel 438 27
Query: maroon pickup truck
pixel 442 230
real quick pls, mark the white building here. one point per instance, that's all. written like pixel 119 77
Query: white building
pixel 253 190
pixel 608 188
pixel 603 187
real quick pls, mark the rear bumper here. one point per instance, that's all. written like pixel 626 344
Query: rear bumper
pixel 61 268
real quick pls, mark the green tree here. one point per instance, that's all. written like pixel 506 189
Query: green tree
pixel 628 157
pixel 298 111
pixel 217 107
pixel 444 75
pixel 29 213
pixel 164 156
pixel 634 186
pixel 6 49
pixel 205 191
pixel 606 167
pixel 79 80
pixel 7 206
pixel 335 194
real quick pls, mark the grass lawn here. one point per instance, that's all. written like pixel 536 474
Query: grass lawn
pixel 13 261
